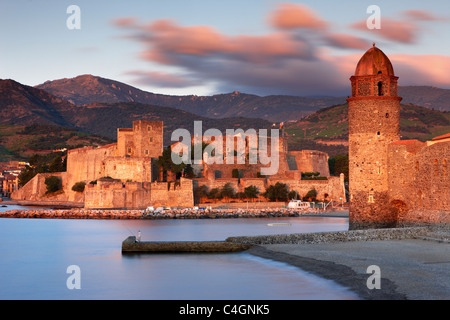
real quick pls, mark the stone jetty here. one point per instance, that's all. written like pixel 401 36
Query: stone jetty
pixel 77 213
pixel 130 245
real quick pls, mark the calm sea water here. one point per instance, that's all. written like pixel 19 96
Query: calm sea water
pixel 35 255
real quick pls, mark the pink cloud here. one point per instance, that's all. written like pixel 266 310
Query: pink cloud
pixel 166 42
pixel 125 22
pixel 341 40
pixel 423 15
pixel 282 62
pixel 292 16
pixel 422 69
pixel 411 69
pixel 395 30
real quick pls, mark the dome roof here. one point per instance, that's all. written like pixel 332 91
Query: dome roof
pixel 373 62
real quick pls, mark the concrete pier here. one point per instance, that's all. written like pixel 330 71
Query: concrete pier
pixel 130 245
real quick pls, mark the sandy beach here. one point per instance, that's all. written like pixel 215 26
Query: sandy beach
pixel 416 268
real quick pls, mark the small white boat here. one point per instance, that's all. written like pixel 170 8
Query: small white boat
pixel 299 204
pixel 278 224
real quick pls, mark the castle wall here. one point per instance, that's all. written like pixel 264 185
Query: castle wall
pixel 419 183
pixel 115 194
pixel 128 169
pixel 312 161
pixel 172 194
pixel 87 164
pixel 334 187
pixel 35 191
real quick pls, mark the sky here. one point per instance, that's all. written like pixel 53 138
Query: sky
pixel 206 47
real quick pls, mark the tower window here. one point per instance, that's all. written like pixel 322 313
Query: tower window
pixel 380 88
pixel 371 200
pixel 387 115
pixel 151 139
pixel 378 133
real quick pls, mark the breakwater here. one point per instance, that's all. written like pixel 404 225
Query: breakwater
pixel 130 245
pixel 168 214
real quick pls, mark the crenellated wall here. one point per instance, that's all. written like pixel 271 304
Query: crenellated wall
pixel 115 194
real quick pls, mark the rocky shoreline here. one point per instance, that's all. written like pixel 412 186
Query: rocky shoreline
pixel 76 213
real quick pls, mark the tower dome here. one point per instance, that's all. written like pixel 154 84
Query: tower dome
pixel 374 62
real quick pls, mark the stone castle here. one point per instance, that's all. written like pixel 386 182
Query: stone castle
pixel 391 181
pixel 124 174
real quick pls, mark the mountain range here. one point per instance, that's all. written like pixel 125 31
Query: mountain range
pixel 25 105
pixel 99 106
pixel 87 89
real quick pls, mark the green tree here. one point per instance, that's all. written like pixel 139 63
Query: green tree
pixel 200 192
pixel 331 163
pixel 341 165
pixel 53 184
pixel 311 195
pixel 51 162
pixel 277 192
pixel 166 164
pixel 189 171
pixel 56 165
pixel 251 192
pixel 215 194
pixel 79 186
pixel 293 195
pixel 26 175
pixel 227 191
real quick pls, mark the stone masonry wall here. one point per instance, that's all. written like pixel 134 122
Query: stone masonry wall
pixel 373 124
pixel 419 183
pixel 136 195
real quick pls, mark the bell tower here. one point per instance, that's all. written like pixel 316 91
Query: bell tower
pixel 374 122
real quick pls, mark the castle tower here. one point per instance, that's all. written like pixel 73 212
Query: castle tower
pixel 374 122
pixel 145 139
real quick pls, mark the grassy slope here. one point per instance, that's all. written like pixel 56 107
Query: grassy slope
pixel 330 125
pixel 20 142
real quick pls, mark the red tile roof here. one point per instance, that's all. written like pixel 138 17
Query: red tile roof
pixel 405 142
pixel 411 145
pixel 444 136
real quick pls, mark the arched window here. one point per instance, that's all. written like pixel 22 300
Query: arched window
pixel 371 199
pixel 436 167
pixel 380 88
